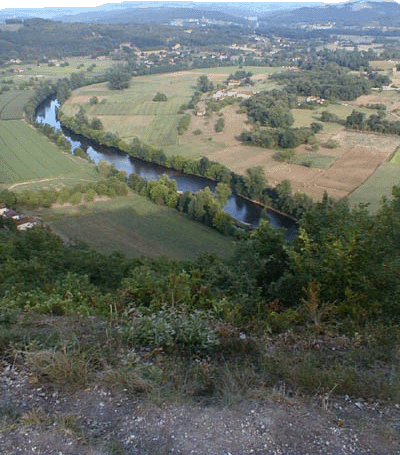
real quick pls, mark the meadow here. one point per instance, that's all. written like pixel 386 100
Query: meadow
pixel 26 155
pixel 22 72
pixel 136 227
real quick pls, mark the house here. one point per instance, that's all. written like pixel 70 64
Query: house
pixel 26 223
pixel 244 94
pixel 315 99
pixel 201 112
pixel 3 209
pixel 12 214
pixel 219 95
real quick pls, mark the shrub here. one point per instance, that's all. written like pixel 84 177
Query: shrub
pixel 93 100
pixel 174 330
pixel 331 144
pixel 160 97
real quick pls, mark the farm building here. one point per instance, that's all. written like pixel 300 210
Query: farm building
pixel 26 223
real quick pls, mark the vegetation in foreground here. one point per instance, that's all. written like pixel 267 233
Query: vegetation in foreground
pixel 317 316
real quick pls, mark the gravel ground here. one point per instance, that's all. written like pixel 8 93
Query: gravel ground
pixel 36 420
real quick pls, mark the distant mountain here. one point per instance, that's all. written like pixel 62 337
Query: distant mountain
pixel 353 13
pixel 152 15
pixel 150 11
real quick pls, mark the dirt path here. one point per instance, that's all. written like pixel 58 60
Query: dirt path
pixel 28 182
pixel 36 420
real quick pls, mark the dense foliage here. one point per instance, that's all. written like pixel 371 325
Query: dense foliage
pixel 348 258
pixel 330 82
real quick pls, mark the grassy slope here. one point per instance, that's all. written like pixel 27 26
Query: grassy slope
pixel 12 104
pixel 27 155
pixel 136 227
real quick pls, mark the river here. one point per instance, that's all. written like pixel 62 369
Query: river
pixel 239 208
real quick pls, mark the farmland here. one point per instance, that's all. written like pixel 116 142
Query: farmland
pixel 12 103
pixel 136 227
pixel 339 171
pixel 133 113
pixel 27 155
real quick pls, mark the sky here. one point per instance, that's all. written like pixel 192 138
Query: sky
pixel 65 4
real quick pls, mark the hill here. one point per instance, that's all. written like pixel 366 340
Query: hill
pixel 358 13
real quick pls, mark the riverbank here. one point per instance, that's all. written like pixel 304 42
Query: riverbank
pixel 242 209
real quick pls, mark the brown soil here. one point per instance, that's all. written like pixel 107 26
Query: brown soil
pixel 359 155
pixel 39 420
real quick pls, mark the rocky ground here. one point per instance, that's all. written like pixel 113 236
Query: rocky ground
pixel 35 419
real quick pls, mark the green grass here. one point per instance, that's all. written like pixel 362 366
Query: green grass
pixel 378 185
pixel 12 104
pixel 315 160
pixel 27 155
pixel 395 158
pixel 136 227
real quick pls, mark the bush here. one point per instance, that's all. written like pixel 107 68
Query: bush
pixel 160 97
pixel 93 100
pixel 184 123
pixel 331 144
pixel 286 155
pixel 174 330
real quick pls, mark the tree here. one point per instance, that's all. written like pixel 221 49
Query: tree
pixel 356 120
pixel 219 126
pixel 316 127
pixel 118 78
pixel 204 84
pixel 255 182
pixel 222 193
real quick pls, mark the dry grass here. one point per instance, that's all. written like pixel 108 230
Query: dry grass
pixel 60 366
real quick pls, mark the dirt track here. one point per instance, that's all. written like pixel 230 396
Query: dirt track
pixel 36 420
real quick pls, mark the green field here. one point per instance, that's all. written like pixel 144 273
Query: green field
pixel 314 160
pixel 12 103
pixel 304 117
pixel 395 158
pixel 136 227
pixel 378 185
pixel 132 112
pixel 27 155
pixel 42 70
